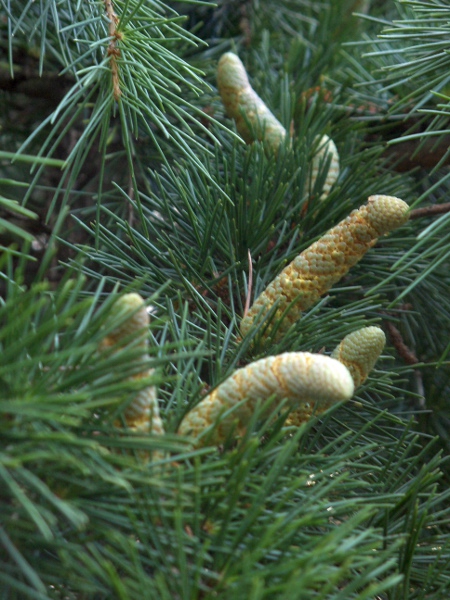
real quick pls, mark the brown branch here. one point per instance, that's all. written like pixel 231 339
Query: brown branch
pixel 424 154
pixel 427 211
pixel 397 341
pixel 113 50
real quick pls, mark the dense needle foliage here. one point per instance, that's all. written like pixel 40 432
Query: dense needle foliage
pixel 120 171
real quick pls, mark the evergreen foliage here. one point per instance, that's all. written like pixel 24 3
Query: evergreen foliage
pixel 120 172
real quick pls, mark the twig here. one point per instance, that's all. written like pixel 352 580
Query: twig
pixel 426 211
pixel 113 50
pixel 397 341
pixel 250 284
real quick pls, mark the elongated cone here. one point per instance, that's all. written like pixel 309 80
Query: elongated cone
pixel 243 104
pixel 313 272
pixel 311 381
pixel 132 313
pixel 142 414
pixel 358 351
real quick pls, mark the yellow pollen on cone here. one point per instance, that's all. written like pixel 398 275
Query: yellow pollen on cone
pixel 244 105
pixel 313 272
pixel 310 381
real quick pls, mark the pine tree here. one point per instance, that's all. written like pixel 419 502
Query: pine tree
pixel 142 218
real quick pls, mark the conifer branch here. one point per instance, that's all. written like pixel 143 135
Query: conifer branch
pixel 348 506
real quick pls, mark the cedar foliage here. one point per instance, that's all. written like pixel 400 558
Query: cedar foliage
pixel 121 172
